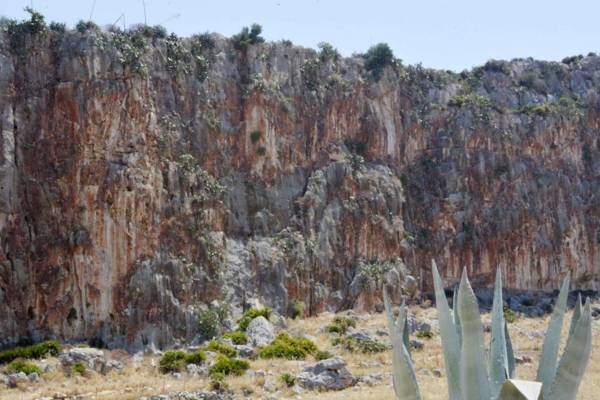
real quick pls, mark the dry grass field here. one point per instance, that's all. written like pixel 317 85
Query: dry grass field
pixel 144 379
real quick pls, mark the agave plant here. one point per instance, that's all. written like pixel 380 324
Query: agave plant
pixel 469 376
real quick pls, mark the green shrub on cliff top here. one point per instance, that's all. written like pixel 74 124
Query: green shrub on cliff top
pixel 377 58
pixel 247 37
pixel 17 32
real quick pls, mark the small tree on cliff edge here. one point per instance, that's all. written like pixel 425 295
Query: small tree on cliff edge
pixel 248 36
pixel 377 58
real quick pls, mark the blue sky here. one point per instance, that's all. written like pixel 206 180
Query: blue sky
pixel 452 34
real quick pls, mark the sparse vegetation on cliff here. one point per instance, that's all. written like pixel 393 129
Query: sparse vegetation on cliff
pixel 18 32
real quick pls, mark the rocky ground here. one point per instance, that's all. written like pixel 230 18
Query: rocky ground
pixel 348 374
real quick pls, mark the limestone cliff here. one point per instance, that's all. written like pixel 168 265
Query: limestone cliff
pixel 143 176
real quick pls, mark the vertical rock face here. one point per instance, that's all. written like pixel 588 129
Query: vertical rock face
pixel 142 177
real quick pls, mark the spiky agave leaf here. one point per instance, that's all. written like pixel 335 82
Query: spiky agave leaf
pixel 576 313
pixel 449 334
pixel 455 314
pixel 575 358
pixel 394 322
pixel 548 360
pixel 509 352
pixel 388 312
pixel 405 338
pixel 474 379
pixel 403 376
pixel 499 370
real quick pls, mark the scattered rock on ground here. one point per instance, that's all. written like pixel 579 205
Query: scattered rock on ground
pixel 201 395
pixel 371 379
pixel 361 335
pixel 523 359
pixel 33 377
pixel 330 374
pixel 194 369
pixel 245 351
pixel 15 379
pixel 93 359
pixel 415 324
pixel 260 332
pixel 370 364
pixel 416 344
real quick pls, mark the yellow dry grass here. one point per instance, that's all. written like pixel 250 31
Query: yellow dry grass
pixel 145 379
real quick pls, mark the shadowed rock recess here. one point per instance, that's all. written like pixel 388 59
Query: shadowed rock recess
pixel 143 176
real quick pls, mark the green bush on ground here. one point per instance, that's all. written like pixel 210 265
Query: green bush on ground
pixel 297 309
pixel 40 350
pixel 341 325
pixel 24 366
pixel 228 366
pixel 285 346
pixel 288 379
pixel 220 347
pixel 79 368
pixel 196 357
pixel 236 337
pixel 217 381
pixel 360 346
pixel 175 360
pixel 424 334
pixel 323 355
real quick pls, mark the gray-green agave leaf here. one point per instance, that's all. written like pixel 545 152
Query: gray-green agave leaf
pixel 403 374
pixel 548 359
pixel 510 353
pixel 474 381
pixel 574 360
pixel 577 310
pixel 499 362
pixel 449 334
pixel 455 314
